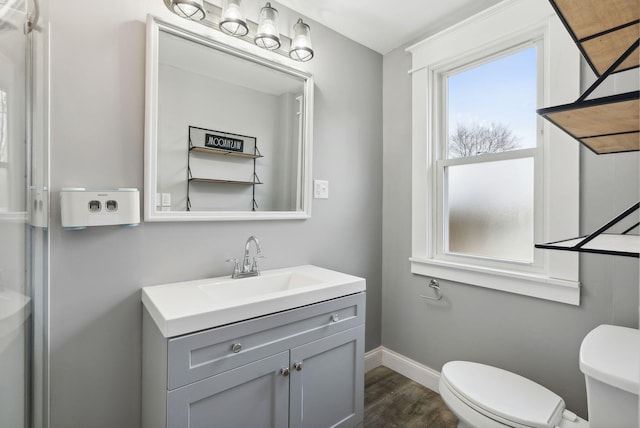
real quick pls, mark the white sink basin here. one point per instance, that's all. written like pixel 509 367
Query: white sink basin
pixel 238 289
pixel 185 307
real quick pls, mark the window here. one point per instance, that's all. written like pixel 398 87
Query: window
pixel 486 157
pixel 490 178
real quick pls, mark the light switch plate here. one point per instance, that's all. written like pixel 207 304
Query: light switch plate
pixel 321 189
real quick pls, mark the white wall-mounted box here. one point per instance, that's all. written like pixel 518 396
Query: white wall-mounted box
pixel 96 207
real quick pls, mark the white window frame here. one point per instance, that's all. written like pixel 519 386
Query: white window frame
pixel 441 161
pixel 553 275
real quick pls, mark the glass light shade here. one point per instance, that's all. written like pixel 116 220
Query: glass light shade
pixel 301 42
pixel 267 35
pixel 190 9
pixel 231 20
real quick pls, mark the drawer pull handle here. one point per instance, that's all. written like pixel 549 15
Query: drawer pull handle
pixel 284 371
pixel 236 347
pixel 297 366
pixel 335 318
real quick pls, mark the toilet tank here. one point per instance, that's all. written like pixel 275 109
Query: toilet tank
pixel 610 361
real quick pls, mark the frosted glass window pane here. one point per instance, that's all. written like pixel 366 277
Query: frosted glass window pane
pixel 492 107
pixel 490 209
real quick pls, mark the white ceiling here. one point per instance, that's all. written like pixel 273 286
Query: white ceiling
pixel 385 25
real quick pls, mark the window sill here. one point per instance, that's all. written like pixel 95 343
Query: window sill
pixel 526 284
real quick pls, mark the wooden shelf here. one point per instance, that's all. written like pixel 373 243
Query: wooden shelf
pixel 606 32
pixel 604 125
pixel 214 180
pixel 224 152
pixel 602 30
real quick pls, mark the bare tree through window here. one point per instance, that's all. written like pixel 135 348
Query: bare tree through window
pixel 477 139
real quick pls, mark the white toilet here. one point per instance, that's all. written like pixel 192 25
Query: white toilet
pixel 482 396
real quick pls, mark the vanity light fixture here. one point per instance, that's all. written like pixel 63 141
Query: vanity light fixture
pixel 301 42
pixel 231 20
pixel 264 34
pixel 189 9
pixel 267 35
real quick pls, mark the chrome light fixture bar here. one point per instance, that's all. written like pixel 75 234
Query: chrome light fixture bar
pixel 229 20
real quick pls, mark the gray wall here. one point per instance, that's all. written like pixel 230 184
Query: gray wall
pixel 535 338
pixel 97 118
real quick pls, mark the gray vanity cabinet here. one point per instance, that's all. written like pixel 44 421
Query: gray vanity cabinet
pixel 254 395
pixel 299 368
pixel 328 390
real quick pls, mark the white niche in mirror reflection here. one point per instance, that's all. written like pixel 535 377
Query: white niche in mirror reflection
pixel 198 82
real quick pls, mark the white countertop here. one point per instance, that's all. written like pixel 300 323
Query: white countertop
pixel 184 307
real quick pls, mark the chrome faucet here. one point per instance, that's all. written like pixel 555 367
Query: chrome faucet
pixel 249 268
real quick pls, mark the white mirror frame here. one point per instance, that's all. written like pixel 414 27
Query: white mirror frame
pixel 231 46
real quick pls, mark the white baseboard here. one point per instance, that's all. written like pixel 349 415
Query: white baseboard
pixel 415 371
pixel 373 359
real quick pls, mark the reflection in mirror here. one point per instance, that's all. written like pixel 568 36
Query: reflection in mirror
pixel 228 133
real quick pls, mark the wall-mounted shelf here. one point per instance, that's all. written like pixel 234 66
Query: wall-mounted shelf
pixel 602 30
pixel 617 244
pixel 224 152
pixel 604 125
pixel 217 143
pixel 215 180
pixel 606 32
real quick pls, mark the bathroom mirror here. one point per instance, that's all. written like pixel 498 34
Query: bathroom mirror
pixel 227 132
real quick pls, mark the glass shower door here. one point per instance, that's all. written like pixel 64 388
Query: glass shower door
pixel 15 296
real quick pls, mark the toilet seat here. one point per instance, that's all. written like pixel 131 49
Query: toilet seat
pixel 502 396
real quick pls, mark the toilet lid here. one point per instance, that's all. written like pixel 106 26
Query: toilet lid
pixel 502 395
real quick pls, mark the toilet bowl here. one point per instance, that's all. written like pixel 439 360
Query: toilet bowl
pixel 488 397
pixel 483 396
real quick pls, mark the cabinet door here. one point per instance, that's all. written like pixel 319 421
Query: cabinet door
pixel 327 390
pixel 254 395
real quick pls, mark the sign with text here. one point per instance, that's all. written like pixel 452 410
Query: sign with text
pixel 223 142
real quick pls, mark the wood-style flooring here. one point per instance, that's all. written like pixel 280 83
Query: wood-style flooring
pixel 394 401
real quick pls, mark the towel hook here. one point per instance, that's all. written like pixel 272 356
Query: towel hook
pixel 435 285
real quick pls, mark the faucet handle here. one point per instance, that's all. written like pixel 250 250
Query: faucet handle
pixel 236 267
pixel 254 265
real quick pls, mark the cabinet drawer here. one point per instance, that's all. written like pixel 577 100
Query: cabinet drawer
pixel 199 355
